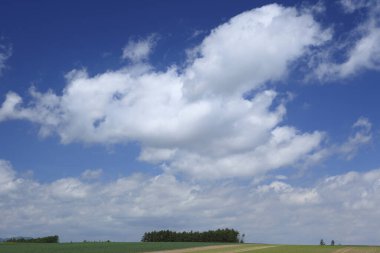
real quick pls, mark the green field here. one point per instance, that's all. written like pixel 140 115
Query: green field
pixel 149 247
pixel 113 247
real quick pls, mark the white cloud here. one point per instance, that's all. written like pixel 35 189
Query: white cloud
pixel 253 48
pixel 351 6
pixel 8 108
pixel 139 50
pixel 92 174
pixel 69 188
pixel 125 208
pixel 194 120
pixel 289 195
pixel 156 155
pixel 284 147
pixel 364 53
pixel 360 137
pixel 7 177
pixel 5 53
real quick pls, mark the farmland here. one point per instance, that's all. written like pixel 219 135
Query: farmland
pixel 114 247
pixel 179 247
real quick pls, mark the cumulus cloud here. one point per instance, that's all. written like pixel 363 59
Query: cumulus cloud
pixel 7 177
pixel 251 49
pixel 139 50
pixel 123 209
pixel 284 147
pixel 364 53
pixel 195 120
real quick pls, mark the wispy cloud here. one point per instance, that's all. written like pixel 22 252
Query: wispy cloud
pixel 362 50
pixel 92 174
pixel 360 137
pixel 5 53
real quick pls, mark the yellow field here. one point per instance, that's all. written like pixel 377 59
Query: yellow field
pixel 259 248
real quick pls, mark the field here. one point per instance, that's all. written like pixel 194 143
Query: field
pixel 177 248
pixel 113 247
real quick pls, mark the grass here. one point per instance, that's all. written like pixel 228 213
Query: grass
pixel 148 247
pixel 113 247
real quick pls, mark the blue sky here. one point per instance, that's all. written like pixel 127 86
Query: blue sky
pixel 119 117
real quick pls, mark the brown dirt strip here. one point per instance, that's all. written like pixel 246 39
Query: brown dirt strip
pixel 344 250
pixel 195 249
pixel 358 250
pixel 250 249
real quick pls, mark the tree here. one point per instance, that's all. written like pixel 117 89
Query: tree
pixel 242 238
pixel 220 235
pixel 332 243
pixel 47 239
pixel 322 242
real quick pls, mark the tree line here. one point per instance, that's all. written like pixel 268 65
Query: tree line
pixel 220 235
pixel 47 239
pixel 322 243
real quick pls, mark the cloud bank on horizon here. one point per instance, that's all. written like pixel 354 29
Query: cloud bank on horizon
pixel 125 208
pixel 216 127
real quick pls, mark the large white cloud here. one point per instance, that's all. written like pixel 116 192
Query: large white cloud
pixel 252 49
pixel 193 120
pixel 342 207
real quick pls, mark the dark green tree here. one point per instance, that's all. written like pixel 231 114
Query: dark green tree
pixel 220 235
pixel 47 239
pixel 242 238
